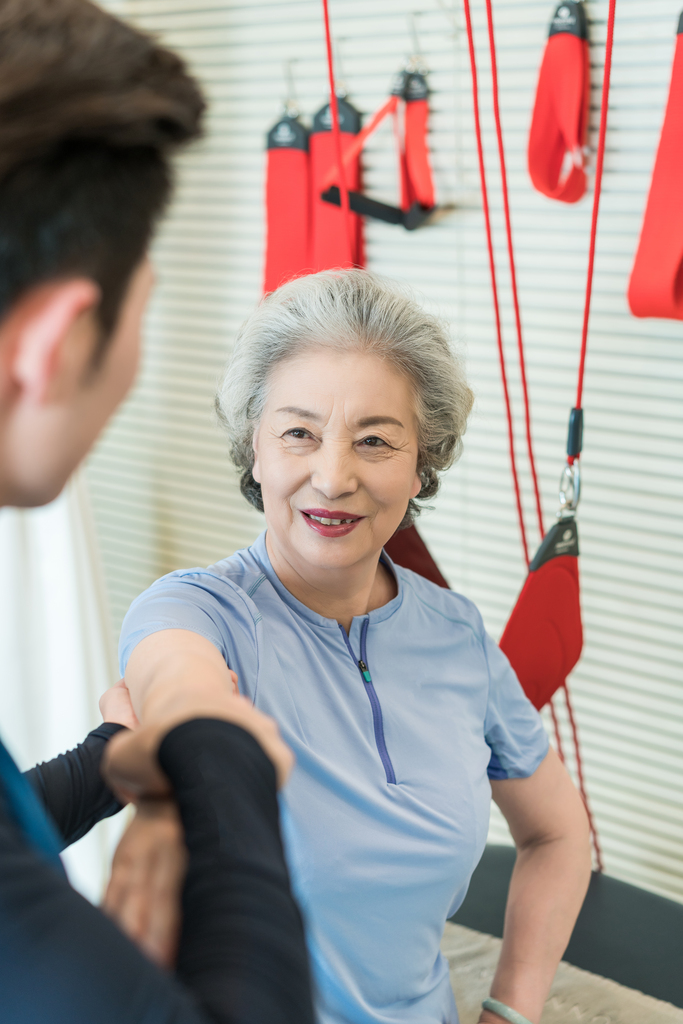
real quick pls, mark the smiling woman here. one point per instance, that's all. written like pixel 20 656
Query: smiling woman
pixel 349 312
pixel 343 402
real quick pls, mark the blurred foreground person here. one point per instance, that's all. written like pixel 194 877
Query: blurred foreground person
pixel 89 112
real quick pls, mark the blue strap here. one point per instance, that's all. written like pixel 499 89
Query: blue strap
pixel 27 811
pixel 504 1011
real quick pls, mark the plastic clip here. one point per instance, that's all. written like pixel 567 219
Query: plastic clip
pixel 575 433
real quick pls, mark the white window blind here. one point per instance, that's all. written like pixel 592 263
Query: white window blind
pixel 163 490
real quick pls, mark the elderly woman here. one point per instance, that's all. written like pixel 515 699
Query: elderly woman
pixel 343 402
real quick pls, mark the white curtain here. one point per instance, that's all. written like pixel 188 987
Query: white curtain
pixel 56 646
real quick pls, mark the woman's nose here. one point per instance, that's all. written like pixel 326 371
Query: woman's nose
pixel 333 471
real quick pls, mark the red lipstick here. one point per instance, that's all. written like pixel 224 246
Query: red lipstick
pixel 337 523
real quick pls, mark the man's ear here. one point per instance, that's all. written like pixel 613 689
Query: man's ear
pixel 48 337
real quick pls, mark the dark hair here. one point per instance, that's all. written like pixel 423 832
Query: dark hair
pixel 90 110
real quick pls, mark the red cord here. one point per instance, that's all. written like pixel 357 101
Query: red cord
pixel 518 321
pixel 494 284
pixel 334 110
pixel 596 197
pixel 582 784
pixel 513 271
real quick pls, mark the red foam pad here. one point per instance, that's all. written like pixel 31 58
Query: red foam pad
pixel 656 285
pixel 544 637
pixel 329 239
pixel 407 548
pixel 560 119
pixel 287 216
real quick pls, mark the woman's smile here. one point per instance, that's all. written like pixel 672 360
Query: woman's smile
pixel 330 524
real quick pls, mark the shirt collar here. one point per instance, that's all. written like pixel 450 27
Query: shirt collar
pixel 259 552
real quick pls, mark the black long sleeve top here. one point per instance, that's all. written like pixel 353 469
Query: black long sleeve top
pixel 71 788
pixel 242 955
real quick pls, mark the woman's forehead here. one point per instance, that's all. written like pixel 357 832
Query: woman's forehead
pixel 317 381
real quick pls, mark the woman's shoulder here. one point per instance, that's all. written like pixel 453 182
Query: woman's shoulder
pixel 447 603
pixel 228 582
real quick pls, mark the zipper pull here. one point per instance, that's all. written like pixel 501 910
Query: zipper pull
pixel 365 671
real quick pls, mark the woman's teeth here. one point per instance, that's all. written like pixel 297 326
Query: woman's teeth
pixel 330 522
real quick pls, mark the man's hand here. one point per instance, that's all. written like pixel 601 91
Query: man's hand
pixel 130 765
pixel 115 706
pixel 144 892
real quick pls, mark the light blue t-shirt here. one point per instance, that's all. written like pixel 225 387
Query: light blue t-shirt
pixel 386 813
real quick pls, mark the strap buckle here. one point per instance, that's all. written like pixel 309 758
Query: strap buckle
pixel 570 490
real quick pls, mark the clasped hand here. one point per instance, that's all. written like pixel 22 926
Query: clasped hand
pixel 148 870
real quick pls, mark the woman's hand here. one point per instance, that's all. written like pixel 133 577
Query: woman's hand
pixel 130 766
pixel 115 706
pixel 148 872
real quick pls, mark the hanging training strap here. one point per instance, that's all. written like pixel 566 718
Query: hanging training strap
pixel 513 272
pixel 656 285
pixel 557 136
pixel 494 282
pixel 417 185
pixel 287 202
pixel 336 133
pixel 575 429
pixel 574 440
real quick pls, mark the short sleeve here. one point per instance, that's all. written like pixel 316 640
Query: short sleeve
pixel 198 601
pixel 513 728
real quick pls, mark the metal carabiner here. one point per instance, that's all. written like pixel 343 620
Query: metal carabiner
pixel 570 490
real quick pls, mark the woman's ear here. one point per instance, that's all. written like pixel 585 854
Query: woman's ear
pixel 417 486
pixel 255 469
pixel 51 338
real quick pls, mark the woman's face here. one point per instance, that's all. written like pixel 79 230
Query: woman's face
pixel 337 441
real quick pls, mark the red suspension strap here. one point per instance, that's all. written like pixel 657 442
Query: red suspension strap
pixel 518 320
pixel 513 272
pixel 334 111
pixel 596 205
pixel 494 283
pixel 570 480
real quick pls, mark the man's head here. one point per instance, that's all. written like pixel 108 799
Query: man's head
pixel 90 112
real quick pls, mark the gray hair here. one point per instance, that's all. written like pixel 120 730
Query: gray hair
pixel 348 310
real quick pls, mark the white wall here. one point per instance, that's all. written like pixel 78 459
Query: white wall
pixel 165 495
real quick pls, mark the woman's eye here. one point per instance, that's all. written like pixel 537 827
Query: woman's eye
pixel 298 433
pixel 373 442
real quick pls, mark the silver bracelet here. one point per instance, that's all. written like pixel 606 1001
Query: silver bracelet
pixel 504 1011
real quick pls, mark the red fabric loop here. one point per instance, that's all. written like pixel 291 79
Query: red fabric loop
pixel 656 285
pixel 560 119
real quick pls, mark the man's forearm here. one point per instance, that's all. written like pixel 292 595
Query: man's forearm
pixel 547 889
pixel 242 948
pixel 71 788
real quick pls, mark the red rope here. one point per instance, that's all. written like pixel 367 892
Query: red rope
pixel 596 198
pixel 582 784
pixel 518 320
pixel 334 110
pixel 513 271
pixel 494 283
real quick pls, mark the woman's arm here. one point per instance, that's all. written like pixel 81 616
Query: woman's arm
pixel 549 825
pixel 167 667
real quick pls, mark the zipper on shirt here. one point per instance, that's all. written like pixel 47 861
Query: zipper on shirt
pixel 377 720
